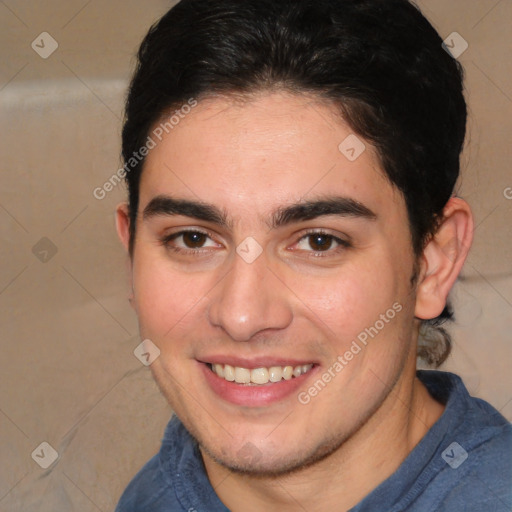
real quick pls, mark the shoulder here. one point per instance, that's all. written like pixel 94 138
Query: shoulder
pixel 485 479
pixel 476 451
pixel 152 487
pixel 174 480
pixel 479 478
pixel 145 490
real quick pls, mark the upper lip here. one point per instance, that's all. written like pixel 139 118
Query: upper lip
pixel 255 362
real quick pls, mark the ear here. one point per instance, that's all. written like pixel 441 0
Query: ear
pixel 123 224
pixel 123 232
pixel 443 257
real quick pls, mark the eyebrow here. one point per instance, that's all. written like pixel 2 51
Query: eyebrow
pixel 302 211
pixel 166 205
pixel 308 210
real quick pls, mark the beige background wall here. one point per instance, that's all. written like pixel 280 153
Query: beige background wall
pixel 67 370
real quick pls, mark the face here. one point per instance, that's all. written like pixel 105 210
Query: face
pixel 265 255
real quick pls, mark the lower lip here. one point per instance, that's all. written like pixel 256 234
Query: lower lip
pixel 257 395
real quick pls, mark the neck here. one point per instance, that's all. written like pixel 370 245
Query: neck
pixel 343 479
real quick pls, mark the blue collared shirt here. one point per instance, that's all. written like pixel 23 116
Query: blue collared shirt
pixel 462 464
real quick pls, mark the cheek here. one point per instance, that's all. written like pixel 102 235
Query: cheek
pixel 166 300
pixel 352 299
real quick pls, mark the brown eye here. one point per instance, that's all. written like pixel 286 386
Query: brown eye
pixel 190 242
pixel 320 242
pixel 194 239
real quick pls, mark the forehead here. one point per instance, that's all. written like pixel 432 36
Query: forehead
pixel 261 153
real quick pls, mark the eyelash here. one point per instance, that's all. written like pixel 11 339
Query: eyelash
pixel 342 244
pixel 166 242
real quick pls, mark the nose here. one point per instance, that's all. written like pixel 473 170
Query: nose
pixel 249 299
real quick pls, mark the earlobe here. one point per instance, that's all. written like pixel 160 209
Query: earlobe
pixel 443 258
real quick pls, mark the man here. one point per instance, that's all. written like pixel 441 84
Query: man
pixel 292 228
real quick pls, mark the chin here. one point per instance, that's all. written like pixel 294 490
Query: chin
pixel 251 461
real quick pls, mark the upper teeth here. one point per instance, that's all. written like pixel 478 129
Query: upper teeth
pixel 259 375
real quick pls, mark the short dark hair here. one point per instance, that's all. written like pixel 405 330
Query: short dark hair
pixel 379 61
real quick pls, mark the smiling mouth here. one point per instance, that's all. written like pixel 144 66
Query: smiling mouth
pixel 258 376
